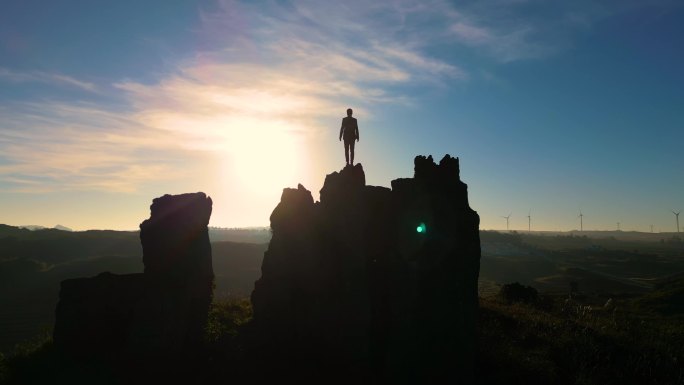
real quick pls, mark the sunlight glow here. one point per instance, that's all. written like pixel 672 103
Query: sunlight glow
pixel 265 156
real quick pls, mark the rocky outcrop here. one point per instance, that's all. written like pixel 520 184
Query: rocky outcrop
pixel 175 239
pixel 94 315
pixel 159 313
pixel 373 284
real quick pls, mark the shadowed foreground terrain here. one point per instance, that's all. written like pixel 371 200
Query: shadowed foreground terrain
pixel 608 264
pixel 33 263
pixel 553 341
pixel 350 291
pixel 610 308
pixel 518 342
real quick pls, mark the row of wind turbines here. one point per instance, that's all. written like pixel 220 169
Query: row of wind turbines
pixel 581 218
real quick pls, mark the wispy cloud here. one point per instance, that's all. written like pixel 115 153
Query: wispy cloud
pixel 265 77
pixel 514 30
pixel 54 147
pixel 356 41
pixel 268 76
pixel 46 78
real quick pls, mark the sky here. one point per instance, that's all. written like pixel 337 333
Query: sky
pixel 553 107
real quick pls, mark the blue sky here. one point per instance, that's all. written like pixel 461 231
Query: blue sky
pixel 552 107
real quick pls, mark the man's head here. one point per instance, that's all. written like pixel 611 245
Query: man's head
pixel 349 112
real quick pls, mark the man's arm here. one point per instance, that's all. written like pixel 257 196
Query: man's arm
pixel 357 131
pixel 341 129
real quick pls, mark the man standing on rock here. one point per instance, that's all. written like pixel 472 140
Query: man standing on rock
pixel 350 131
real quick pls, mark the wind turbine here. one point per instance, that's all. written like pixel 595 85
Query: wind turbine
pixel 618 224
pixel 507 218
pixel 529 221
pixel 676 213
pixel 581 216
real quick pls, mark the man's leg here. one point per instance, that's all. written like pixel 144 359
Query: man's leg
pixel 346 152
pixel 351 151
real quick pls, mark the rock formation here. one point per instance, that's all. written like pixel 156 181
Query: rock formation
pixel 159 313
pixel 373 284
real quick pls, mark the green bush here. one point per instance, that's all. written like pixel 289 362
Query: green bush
pixel 226 316
pixel 515 292
pixel 576 342
pixel 29 361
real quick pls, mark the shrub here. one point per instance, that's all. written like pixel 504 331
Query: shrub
pixel 226 316
pixel 515 292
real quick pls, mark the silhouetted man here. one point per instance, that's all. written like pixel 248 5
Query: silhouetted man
pixel 350 131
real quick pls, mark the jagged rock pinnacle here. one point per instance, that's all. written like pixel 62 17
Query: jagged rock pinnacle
pixel 356 286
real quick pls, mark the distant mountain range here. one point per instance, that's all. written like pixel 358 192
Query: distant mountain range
pixel 601 234
pixel 37 227
pixel 216 234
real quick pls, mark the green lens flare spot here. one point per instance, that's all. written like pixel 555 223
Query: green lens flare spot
pixel 421 228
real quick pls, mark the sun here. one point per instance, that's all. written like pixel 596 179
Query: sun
pixel 266 156
pixel 258 144
pixel 255 163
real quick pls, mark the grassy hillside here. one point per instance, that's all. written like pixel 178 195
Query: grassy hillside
pixel 53 246
pixel 29 292
pixel 578 341
pixel 600 265
pixel 236 267
pixel 553 340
